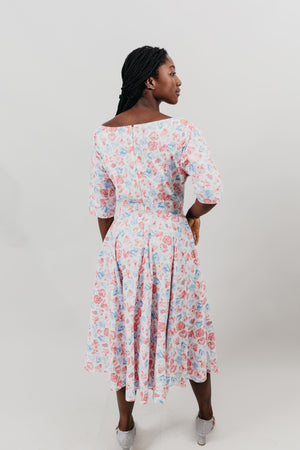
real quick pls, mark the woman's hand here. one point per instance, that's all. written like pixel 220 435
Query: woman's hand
pixel 195 227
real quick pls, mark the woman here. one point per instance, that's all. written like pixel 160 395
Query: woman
pixel 150 324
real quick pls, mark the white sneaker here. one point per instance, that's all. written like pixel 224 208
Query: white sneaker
pixel 126 438
pixel 203 427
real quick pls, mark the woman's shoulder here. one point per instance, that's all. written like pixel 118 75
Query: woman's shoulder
pixel 126 119
pixel 116 125
pixel 172 127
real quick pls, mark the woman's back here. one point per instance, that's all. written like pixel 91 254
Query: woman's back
pixel 144 166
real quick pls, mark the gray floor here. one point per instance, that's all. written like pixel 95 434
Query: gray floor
pixel 47 407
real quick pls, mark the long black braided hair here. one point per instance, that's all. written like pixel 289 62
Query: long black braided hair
pixel 139 65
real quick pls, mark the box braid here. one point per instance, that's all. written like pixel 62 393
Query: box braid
pixel 139 65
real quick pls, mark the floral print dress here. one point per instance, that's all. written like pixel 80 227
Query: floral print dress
pixel 150 324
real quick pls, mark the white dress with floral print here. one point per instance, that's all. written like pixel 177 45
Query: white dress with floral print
pixel 150 324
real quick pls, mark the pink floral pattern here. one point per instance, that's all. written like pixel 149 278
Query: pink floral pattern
pixel 150 324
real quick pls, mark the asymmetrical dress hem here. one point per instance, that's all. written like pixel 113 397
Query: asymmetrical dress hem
pixel 158 394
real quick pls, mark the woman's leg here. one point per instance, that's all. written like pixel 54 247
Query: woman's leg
pixel 202 392
pixel 125 408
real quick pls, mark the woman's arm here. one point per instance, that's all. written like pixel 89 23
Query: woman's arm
pixel 193 217
pixel 198 209
pixel 104 225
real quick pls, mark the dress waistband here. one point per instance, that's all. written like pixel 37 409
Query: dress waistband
pixel 143 211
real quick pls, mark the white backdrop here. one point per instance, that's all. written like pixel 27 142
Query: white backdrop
pixel 60 79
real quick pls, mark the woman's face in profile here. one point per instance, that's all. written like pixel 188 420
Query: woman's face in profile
pixel 167 86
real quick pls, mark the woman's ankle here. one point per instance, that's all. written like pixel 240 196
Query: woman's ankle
pixel 205 412
pixel 126 425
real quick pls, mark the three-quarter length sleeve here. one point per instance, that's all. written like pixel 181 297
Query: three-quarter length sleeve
pixel 102 195
pixel 197 162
